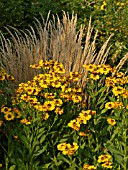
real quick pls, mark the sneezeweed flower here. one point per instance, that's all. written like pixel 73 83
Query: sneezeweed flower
pixel 2 77
pixel 5 109
pixel 61 146
pixel 25 97
pixel 89 167
pixel 94 76
pixel 56 84
pixel 82 134
pixel 25 121
pixel 81 120
pixel 36 66
pixel 107 165
pixel 110 105
pixel 44 84
pixel 118 105
pixel 117 90
pixel 76 98
pixel 9 116
pixel 90 67
pixel 119 74
pixel 16 112
pixel 85 114
pixel 111 121
pixel 45 116
pixel 67 148
pixel 59 69
pixel 104 70
pixel 49 105
pixel 59 111
pixel 74 124
pixel 104 158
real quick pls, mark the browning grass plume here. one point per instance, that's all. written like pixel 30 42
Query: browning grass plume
pixel 52 39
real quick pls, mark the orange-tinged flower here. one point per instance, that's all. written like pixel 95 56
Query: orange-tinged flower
pixel 74 124
pixel 59 111
pixel 45 116
pixel 111 121
pixel 104 158
pixel 82 134
pixel 107 165
pixel 89 167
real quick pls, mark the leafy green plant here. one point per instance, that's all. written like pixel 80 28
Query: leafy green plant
pixel 53 123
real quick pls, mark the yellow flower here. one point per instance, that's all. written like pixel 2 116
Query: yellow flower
pixel 76 98
pixel 104 70
pixel 2 77
pixel 117 90
pixel 9 116
pixel 74 125
pixel 44 83
pixel 17 112
pixel 110 105
pixel 45 116
pixel 90 67
pixel 61 146
pixel 49 105
pixel 25 97
pixel 56 84
pixel 59 69
pixel 111 121
pixel 1 165
pixel 82 134
pixel 36 66
pixel 119 74
pixel 59 111
pixel 89 167
pixel 81 120
pixel 104 158
pixel 94 76
pixel 85 115
pixel 5 109
pixel 107 165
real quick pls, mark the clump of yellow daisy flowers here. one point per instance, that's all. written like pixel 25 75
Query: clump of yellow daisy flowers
pixel 67 148
pixel 105 160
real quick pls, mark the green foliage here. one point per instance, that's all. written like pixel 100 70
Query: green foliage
pixel 36 139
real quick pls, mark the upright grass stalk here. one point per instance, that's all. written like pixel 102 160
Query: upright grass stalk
pixel 51 39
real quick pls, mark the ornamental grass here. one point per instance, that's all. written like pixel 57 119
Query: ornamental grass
pixel 48 124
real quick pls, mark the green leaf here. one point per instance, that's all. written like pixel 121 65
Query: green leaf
pixel 12 167
pixel 119 159
pixel 111 99
pixel 113 150
pixel 25 141
pixel 101 101
pixel 104 110
pixel 63 140
pixel 61 157
pixel 40 151
pixel 42 139
pixel 99 91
